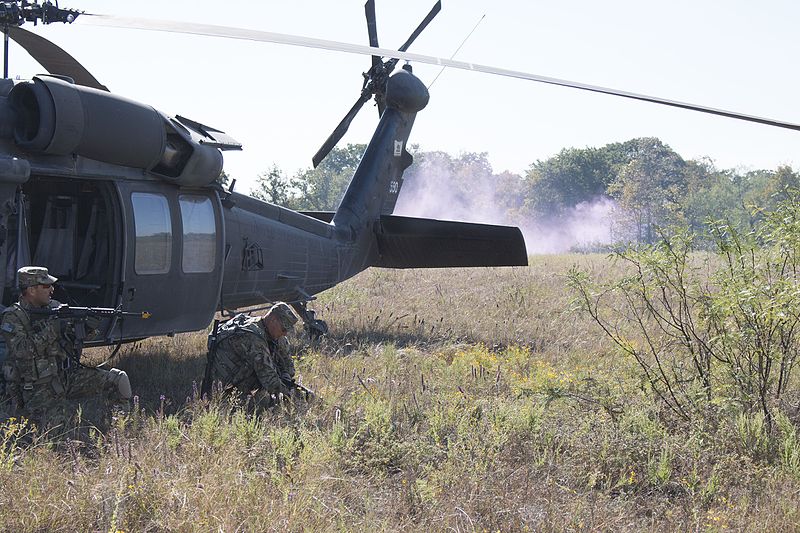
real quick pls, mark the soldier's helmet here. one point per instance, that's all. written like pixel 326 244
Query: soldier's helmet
pixel 285 315
pixel 28 276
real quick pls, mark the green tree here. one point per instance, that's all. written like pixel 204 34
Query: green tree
pixel 766 189
pixel 573 176
pixel 731 339
pixel 322 188
pixel 650 187
pixel 318 189
pixel 717 195
pixel 272 186
pixel 223 178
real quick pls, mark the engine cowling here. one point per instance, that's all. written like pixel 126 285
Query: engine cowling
pixel 54 116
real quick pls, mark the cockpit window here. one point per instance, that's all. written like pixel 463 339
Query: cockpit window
pixel 199 233
pixel 153 233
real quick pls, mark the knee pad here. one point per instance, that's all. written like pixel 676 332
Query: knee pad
pixel 123 383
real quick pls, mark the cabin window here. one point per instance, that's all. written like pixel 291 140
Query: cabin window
pixel 153 233
pixel 199 233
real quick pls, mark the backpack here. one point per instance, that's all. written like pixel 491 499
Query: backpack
pixel 220 332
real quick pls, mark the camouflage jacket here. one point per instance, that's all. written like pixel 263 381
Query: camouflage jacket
pixel 36 357
pixel 245 357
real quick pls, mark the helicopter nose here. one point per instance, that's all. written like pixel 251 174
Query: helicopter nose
pixel 405 92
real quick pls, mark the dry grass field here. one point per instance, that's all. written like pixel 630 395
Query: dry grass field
pixel 449 400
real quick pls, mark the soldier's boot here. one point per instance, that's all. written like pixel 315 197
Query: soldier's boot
pixel 121 394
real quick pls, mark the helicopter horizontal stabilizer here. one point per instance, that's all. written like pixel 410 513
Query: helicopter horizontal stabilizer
pixel 405 242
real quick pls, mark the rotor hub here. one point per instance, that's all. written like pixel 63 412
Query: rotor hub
pixel 16 13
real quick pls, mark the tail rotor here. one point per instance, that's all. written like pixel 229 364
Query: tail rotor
pixel 374 79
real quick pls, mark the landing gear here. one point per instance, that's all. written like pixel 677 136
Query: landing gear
pixel 313 326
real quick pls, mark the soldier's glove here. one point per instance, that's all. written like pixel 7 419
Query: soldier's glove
pixel 288 394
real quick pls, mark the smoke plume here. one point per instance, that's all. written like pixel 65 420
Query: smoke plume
pixel 465 189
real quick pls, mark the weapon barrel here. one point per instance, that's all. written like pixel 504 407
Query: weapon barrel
pixel 292 384
pixel 66 311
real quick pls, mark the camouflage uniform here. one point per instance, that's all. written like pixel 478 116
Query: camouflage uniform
pixel 283 358
pixel 247 359
pixel 43 380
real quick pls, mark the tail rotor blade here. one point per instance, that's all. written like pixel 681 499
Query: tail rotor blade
pixel 422 25
pixel 372 28
pixel 341 129
pixel 377 75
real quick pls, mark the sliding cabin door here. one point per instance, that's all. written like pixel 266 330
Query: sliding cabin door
pixel 173 260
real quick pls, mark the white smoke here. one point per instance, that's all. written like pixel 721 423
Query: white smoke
pixel 442 189
pixel 439 191
pixel 587 226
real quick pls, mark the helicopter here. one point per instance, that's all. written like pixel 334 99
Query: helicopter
pixel 121 202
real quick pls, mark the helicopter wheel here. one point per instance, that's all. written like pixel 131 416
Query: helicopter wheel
pixel 314 327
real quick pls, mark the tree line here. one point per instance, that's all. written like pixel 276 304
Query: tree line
pixel 648 185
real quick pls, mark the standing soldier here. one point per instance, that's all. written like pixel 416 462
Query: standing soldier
pixel 43 376
pixel 251 355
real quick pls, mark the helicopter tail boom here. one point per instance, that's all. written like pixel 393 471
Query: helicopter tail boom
pixel 377 181
pixel 364 222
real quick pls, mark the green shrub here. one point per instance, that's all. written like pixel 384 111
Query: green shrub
pixel 708 331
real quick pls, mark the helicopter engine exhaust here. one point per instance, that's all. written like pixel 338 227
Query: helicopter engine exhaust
pixel 56 117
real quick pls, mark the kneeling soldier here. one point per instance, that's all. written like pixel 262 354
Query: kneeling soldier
pixel 43 376
pixel 251 355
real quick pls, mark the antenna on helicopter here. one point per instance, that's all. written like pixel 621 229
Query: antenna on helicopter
pixel 15 13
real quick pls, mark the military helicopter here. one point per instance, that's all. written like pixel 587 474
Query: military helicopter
pixel 121 201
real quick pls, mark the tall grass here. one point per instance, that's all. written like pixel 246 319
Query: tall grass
pixel 460 400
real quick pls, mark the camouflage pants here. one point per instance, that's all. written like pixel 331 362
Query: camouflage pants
pixel 55 401
pixel 83 382
pixel 256 400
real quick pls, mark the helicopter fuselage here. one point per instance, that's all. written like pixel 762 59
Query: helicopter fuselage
pixel 115 237
pixel 121 203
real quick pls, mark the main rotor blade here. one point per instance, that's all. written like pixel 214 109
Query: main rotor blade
pixel 372 28
pixel 53 58
pixel 279 38
pixel 422 25
pixel 340 130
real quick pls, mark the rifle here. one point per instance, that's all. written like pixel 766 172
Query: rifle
pixel 72 313
pixel 308 394
pixel 79 315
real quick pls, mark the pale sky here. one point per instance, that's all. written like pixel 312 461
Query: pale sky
pixel 281 102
